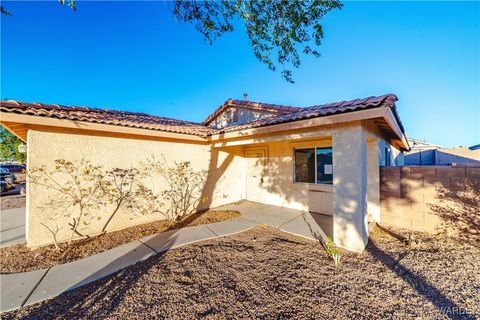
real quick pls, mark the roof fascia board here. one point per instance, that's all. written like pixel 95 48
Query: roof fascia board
pixel 393 123
pixel 83 125
pixel 6 126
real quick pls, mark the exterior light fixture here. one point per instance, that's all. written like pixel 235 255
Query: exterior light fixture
pixel 22 148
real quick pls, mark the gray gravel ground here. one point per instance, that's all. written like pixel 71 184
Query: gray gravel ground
pixel 12 201
pixel 267 274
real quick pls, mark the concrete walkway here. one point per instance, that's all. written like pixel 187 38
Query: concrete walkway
pixel 23 289
pixel 12 226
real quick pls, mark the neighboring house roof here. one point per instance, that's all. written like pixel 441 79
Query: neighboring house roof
pixel 144 121
pixel 275 108
pixel 120 118
pixel 422 144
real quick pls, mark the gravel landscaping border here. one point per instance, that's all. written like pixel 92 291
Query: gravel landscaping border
pixel 264 273
pixel 19 258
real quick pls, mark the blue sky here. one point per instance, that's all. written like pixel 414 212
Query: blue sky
pixel 135 56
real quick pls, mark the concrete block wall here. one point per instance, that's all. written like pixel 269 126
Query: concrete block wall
pixel 419 197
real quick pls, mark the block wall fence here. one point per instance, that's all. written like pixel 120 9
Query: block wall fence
pixel 430 198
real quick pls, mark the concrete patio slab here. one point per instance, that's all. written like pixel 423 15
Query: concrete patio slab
pixel 306 226
pixel 176 238
pixel 272 216
pixel 16 288
pixel 229 227
pixel 243 206
pixel 12 226
pixel 75 274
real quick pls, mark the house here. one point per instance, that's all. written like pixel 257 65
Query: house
pixel 323 158
pixel 423 153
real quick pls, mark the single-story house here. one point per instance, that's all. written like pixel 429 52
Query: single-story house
pixel 323 158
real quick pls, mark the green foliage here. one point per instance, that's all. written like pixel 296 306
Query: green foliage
pixel 332 251
pixel 71 3
pixel 9 147
pixel 5 11
pixel 276 29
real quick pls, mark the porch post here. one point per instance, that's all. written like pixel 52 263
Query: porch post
pixel 350 188
pixel 373 180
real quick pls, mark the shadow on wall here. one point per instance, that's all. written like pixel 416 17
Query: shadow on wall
pixel 435 199
pixel 216 169
pixel 277 181
pixel 460 210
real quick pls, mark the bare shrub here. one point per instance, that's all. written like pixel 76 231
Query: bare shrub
pixel 125 188
pixel 183 194
pixel 77 192
pixel 86 192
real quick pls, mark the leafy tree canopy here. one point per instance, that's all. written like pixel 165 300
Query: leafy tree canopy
pixel 278 30
pixel 9 147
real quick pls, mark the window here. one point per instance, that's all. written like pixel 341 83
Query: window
pixel 388 156
pixel 305 165
pixel 314 165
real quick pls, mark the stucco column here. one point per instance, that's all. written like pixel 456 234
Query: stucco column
pixel 373 180
pixel 350 188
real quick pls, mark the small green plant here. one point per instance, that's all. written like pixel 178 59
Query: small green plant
pixel 332 251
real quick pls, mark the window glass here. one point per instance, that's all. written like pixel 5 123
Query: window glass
pixel 324 165
pixel 305 165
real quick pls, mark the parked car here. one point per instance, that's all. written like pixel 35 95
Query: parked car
pixel 11 167
pixel 7 180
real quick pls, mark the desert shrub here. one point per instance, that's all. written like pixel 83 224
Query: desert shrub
pixel 183 194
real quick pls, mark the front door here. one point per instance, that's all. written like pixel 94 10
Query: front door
pixel 255 167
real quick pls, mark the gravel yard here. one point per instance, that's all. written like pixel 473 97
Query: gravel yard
pixel 19 258
pixel 12 201
pixel 267 274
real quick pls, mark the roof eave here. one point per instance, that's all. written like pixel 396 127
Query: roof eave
pixel 381 112
pixel 31 122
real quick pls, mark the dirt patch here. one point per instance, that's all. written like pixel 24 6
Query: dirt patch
pixel 10 202
pixel 267 274
pixel 19 258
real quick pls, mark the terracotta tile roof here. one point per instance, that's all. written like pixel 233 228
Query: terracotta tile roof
pixel 145 121
pixel 120 118
pixel 280 109
pixel 322 110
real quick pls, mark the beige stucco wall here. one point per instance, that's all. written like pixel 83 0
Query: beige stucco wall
pixel 225 182
pixel 350 187
pixel 354 193
pixel 278 186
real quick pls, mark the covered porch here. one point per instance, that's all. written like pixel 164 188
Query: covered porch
pixel 328 176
